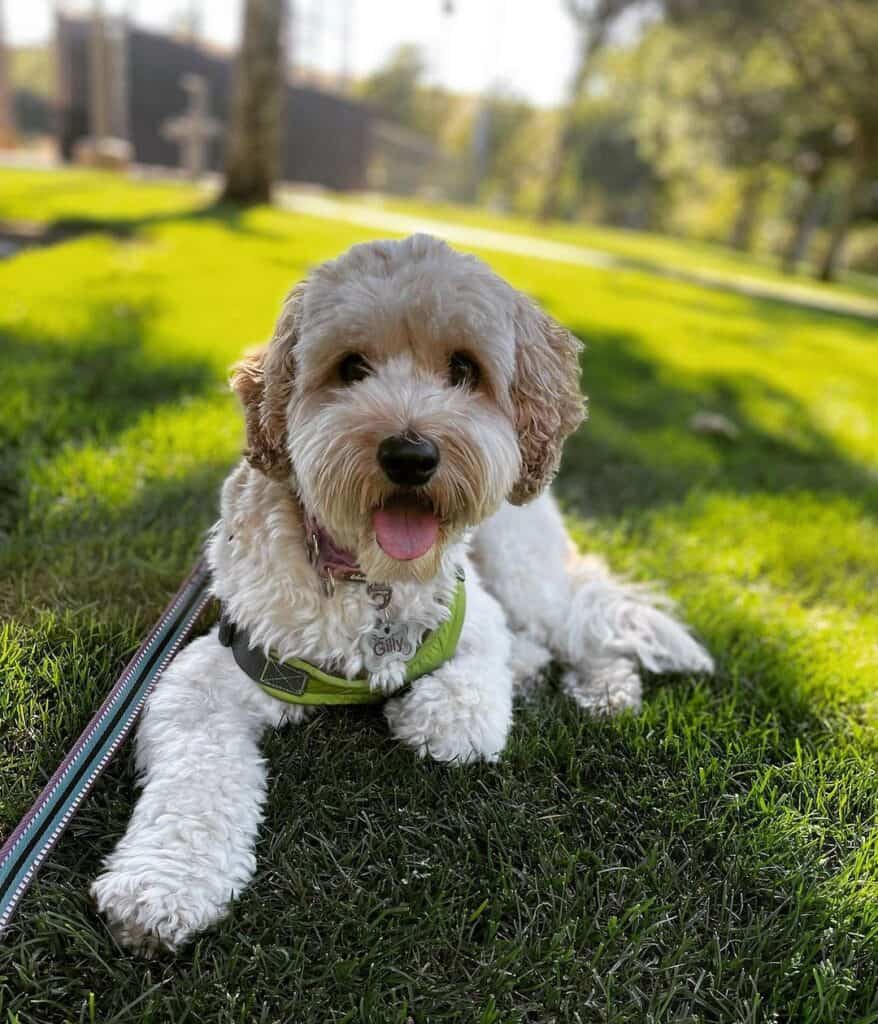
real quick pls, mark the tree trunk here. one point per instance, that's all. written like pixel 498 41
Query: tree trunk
pixel 748 213
pixel 7 115
pixel 831 262
pixel 807 219
pixel 252 149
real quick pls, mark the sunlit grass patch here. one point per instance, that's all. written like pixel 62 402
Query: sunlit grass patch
pixel 644 248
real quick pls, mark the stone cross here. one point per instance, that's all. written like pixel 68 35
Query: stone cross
pixel 194 128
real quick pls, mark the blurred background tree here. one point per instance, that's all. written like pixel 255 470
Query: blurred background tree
pixel 829 51
pixel 252 151
pixel 592 21
pixel 399 91
pixel 7 119
pixel 714 107
pixel 614 178
pixel 761 92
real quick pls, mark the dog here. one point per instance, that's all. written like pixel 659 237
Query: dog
pixel 403 425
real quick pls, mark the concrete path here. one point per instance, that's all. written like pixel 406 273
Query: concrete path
pixel 375 217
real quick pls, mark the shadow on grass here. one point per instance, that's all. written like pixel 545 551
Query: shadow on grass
pixel 90 386
pixel 758 292
pixel 638 451
pixel 657 851
pixel 684 815
pixel 130 557
pixel 63 229
pixel 84 592
pixel 655 856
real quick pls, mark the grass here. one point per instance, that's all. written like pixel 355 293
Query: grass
pixel 648 250
pixel 714 859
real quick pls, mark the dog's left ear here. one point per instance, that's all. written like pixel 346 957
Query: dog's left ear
pixel 545 393
pixel 264 381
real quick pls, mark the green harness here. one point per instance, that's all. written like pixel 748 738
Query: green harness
pixel 299 682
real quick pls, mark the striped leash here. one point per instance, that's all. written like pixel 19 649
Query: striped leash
pixel 40 829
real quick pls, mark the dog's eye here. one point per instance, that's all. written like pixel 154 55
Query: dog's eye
pixel 463 372
pixel 353 368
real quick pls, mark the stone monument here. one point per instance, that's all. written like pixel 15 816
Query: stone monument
pixel 194 128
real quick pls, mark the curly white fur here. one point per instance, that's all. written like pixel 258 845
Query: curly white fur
pixel 189 848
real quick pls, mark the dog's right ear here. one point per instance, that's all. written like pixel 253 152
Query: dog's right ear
pixel 264 381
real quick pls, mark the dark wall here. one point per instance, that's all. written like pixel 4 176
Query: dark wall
pixel 325 137
pixel 33 113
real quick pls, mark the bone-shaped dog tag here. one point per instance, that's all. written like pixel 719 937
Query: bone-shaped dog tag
pixel 388 642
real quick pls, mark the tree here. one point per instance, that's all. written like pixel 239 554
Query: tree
pixel 399 92
pixel 717 106
pixel 593 20
pixel 498 164
pixel 815 56
pixel 614 175
pixel 820 145
pixel 611 168
pixel 7 119
pixel 832 51
pixel 252 150
pixel 393 89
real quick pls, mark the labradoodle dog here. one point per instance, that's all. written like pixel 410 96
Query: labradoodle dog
pixel 388 537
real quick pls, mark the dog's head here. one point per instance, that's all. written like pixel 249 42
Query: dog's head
pixel 406 392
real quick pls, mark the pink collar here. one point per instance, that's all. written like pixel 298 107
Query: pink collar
pixel 331 562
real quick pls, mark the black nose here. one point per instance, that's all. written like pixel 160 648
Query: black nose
pixel 408 460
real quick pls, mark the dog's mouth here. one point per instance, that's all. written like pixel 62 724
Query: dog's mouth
pixel 406 527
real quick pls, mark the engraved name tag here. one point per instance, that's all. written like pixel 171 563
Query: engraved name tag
pixel 388 642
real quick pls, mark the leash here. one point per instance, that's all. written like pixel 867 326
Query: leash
pixel 40 829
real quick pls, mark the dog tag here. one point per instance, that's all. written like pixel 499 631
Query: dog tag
pixel 388 642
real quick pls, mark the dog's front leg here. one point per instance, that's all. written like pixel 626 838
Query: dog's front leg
pixel 188 849
pixel 462 712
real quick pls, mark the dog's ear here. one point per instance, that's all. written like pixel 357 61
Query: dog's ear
pixel 264 381
pixel 546 397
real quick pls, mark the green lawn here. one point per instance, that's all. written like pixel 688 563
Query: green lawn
pixel 714 859
pixel 663 252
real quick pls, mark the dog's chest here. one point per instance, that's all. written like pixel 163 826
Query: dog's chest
pixel 283 604
pixel 363 629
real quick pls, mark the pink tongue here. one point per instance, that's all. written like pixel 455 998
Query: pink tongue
pixel 405 531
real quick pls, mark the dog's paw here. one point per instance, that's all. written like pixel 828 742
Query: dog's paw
pixel 527 660
pixel 388 680
pixel 446 718
pixel 151 915
pixel 607 690
pixel 130 935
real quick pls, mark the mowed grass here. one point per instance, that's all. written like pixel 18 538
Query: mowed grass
pixel 713 859
pixel 647 250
